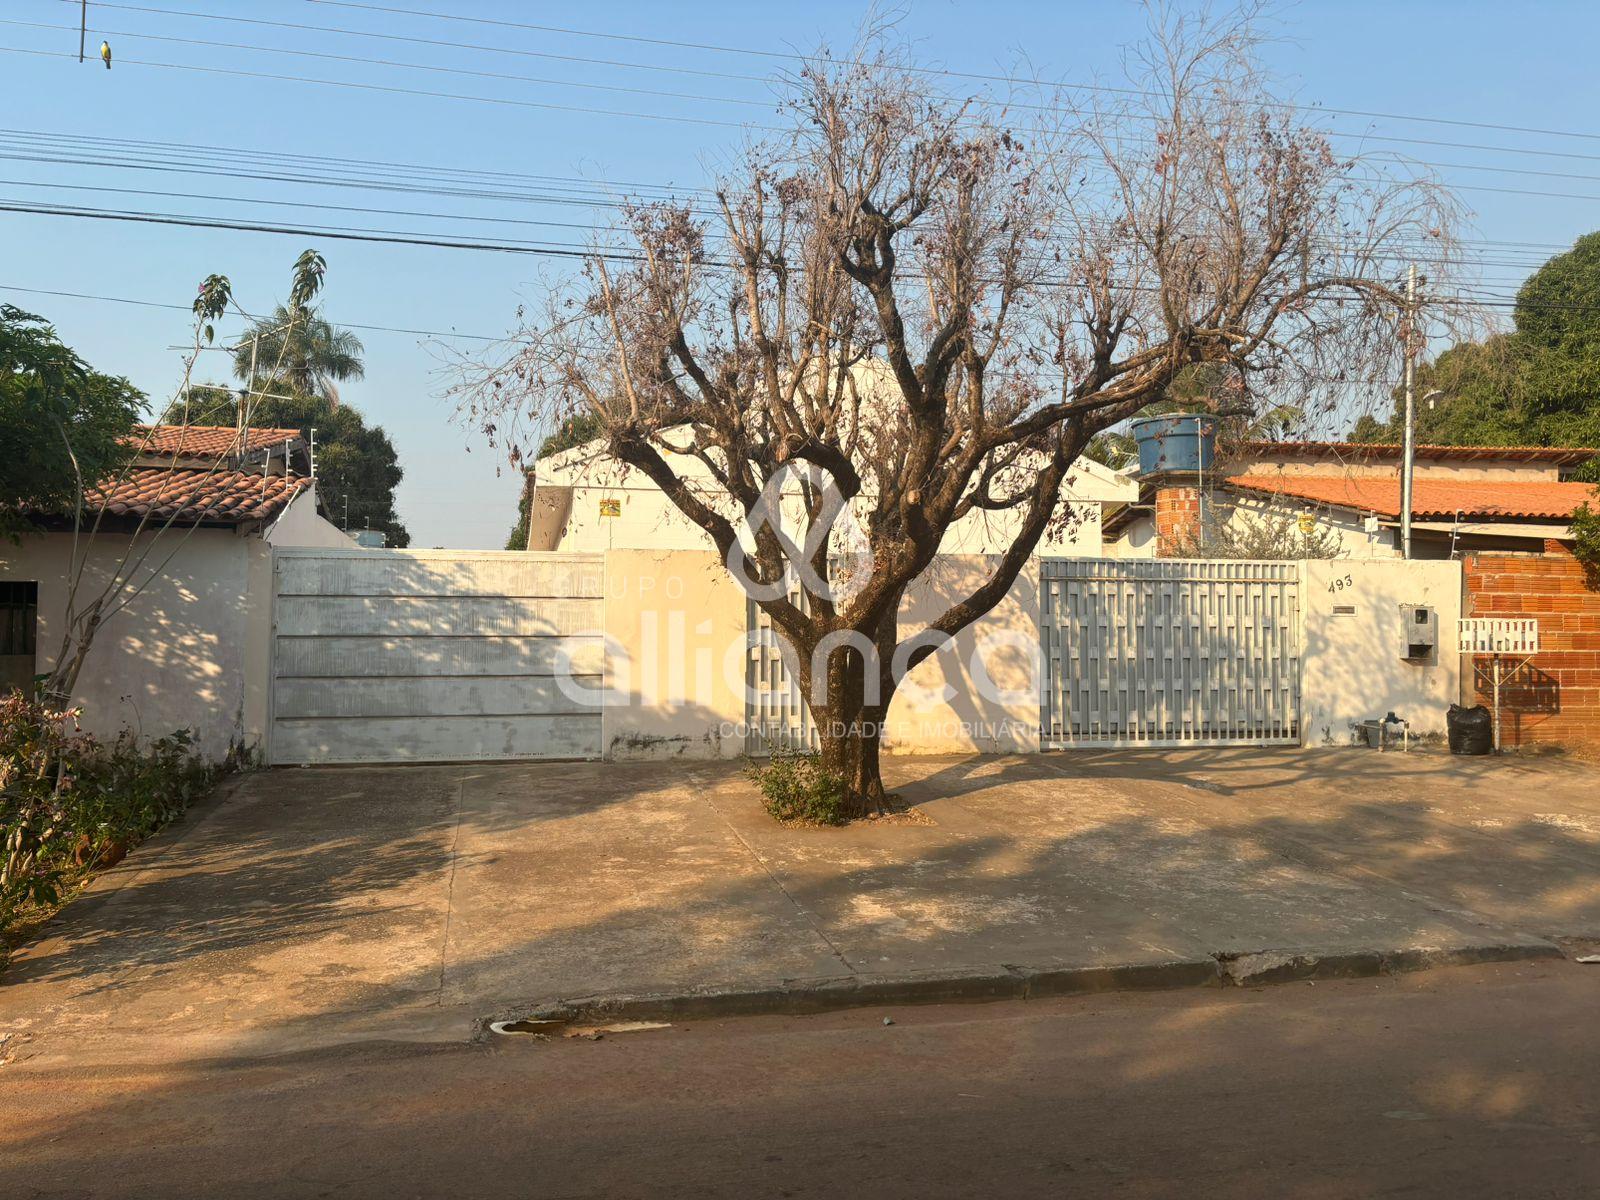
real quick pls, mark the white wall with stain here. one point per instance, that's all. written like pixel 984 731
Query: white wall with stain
pixel 1353 653
pixel 175 656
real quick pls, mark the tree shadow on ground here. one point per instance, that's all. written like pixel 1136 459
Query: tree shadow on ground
pixel 290 857
pixel 1029 862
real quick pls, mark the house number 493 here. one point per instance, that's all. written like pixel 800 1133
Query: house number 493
pixel 1341 583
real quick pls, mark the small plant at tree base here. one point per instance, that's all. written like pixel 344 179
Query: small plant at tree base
pixel 795 786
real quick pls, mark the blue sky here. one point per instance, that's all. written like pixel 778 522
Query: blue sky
pixel 1527 65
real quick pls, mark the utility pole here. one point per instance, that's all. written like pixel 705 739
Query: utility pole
pixel 1409 449
pixel 83 26
pixel 347 512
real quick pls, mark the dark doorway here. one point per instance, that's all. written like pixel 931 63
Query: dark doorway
pixel 19 625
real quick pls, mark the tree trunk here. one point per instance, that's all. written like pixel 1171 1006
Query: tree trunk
pixel 63 676
pixel 851 723
pixel 850 745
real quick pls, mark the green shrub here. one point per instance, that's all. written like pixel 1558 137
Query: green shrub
pixel 797 787
pixel 70 803
pixel 1586 541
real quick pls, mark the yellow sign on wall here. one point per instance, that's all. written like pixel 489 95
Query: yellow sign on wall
pixel 611 508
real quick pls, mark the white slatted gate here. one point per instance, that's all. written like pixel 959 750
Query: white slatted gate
pixel 776 716
pixel 388 656
pixel 1169 653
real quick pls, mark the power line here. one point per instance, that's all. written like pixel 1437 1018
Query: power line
pixel 1529 192
pixel 730 100
pixel 228 158
pixel 390 237
pixel 1480 260
pixel 383 62
pixel 301 26
pixel 559 250
pixel 422 41
pixel 577 200
pixel 979 76
pixel 33 291
pixel 223 168
pixel 387 212
pixel 1400 249
pixel 409 168
pixel 1397 255
pixel 430 332
pixel 402 91
pixel 227 164
pixel 312 171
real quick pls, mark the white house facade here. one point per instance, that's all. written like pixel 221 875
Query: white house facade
pixel 193 522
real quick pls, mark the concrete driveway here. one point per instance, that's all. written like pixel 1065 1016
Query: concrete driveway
pixel 307 907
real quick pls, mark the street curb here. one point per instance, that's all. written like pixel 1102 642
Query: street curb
pixel 1254 968
pixel 796 997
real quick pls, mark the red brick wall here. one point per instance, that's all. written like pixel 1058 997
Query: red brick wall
pixel 1557 697
pixel 1177 520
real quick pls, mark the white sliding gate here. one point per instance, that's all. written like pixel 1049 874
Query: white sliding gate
pixel 1154 652
pixel 387 656
pixel 776 716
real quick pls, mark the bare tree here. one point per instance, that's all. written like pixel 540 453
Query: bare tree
pixel 933 312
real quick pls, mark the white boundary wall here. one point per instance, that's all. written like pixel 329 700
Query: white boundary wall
pixel 197 651
pixel 187 652
pixel 1353 666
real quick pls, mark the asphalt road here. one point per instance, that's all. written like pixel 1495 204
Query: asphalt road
pixel 1465 1082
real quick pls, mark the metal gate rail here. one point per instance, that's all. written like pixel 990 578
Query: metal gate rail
pixel 1169 652
pixel 777 716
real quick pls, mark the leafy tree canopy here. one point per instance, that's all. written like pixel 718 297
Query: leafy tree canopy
pixel 1538 385
pixel 50 399
pixel 574 430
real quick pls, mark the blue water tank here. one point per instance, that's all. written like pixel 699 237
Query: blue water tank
pixel 1176 442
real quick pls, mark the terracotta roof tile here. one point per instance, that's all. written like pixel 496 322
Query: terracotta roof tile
pixel 1553 455
pixel 198 495
pixel 206 441
pixel 1429 497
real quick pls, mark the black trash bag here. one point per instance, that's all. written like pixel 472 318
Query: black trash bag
pixel 1471 730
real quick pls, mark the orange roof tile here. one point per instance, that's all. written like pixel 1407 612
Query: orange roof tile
pixel 206 441
pixel 196 495
pixel 1552 455
pixel 1429 497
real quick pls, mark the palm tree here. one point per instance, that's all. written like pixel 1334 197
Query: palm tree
pixel 296 349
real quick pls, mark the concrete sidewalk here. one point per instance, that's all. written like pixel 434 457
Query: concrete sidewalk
pixel 312 907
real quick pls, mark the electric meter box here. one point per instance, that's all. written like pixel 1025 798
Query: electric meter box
pixel 1421 634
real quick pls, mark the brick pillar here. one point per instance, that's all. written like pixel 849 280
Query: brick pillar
pixel 1177 520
